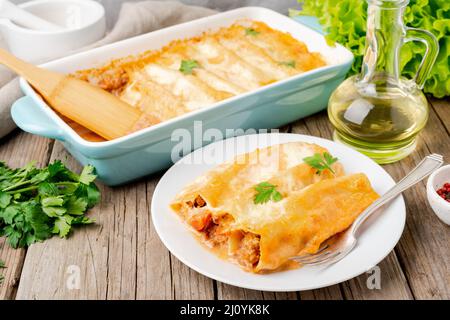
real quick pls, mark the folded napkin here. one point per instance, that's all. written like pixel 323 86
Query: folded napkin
pixel 134 19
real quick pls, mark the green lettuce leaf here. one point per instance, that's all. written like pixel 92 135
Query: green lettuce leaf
pixel 345 23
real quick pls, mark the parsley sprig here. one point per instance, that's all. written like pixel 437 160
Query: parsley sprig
pixel 265 192
pixel 38 203
pixel 187 66
pixel 321 162
pixel 290 64
pixel 251 32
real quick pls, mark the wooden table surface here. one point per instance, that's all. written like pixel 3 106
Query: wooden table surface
pixel 121 256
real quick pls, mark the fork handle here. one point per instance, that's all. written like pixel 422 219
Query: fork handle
pixel 422 170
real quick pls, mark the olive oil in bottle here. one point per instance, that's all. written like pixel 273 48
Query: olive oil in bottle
pixel 378 112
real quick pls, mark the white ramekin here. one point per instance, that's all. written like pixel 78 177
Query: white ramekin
pixel 435 182
pixel 84 21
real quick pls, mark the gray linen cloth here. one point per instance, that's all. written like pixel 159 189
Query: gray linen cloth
pixel 134 19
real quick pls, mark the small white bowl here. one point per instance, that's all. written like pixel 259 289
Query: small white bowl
pixel 83 22
pixel 436 180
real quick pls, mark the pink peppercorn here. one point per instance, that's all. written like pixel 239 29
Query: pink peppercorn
pixel 444 192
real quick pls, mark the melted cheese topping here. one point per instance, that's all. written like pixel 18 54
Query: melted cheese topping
pixel 313 207
pixel 231 61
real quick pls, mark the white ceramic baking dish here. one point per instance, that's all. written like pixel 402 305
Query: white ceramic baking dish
pixel 149 150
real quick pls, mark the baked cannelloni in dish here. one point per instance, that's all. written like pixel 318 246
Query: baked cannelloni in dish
pixel 191 74
pixel 266 206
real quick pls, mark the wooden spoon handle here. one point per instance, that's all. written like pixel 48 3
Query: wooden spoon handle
pixel 90 106
pixel 45 81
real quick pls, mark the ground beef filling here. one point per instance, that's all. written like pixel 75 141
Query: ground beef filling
pixel 112 80
pixel 248 253
pixel 216 233
pixel 215 236
pixel 199 202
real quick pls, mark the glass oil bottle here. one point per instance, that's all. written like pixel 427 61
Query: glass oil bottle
pixel 378 112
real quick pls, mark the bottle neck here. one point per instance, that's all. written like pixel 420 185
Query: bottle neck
pixel 384 37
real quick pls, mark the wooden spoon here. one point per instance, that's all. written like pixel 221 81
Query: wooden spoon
pixel 90 106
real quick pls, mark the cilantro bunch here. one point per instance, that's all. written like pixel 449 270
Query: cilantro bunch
pixel 345 22
pixel 38 203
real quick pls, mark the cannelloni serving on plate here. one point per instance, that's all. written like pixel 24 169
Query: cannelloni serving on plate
pixel 263 207
pixel 187 75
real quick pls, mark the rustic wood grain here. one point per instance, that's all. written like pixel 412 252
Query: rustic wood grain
pixel 105 252
pixel 328 293
pixel 47 266
pixel 393 284
pixel 424 249
pixel 154 271
pixel 18 149
pixel 228 292
pixel 121 256
pixel 189 284
pixel 441 107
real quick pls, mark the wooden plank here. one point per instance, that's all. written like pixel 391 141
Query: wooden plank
pixel 50 266
pixel 120 257
pixel 442 109
pixel 154 271
pixel 122 242
pixel 228 292
pixel 424 249
pixel 104 253
pixel 188 284
pixel 18 149
pixel 393 284
pixel 328 293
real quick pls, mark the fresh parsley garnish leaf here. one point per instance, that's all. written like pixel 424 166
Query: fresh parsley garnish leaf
pixel 290 64
pixel 47 189
pixel 63 225
pixel 87 175
pixel 82 220
pixel 76 206
pixel 265 192
pixel 9 214
pixel 321 162
pixel 54 212
pixel 52 201
pixel 93 195
pixel 36 203
pixel 5 199
pixel 187 66
pixel 251 32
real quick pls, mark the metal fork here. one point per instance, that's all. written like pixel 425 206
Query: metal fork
pixel 337 247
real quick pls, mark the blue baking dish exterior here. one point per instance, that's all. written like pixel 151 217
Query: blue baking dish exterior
pixel 148 151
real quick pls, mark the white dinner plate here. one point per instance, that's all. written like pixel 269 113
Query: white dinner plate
pixel 379 235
